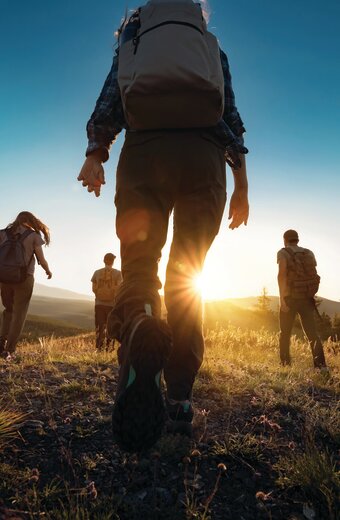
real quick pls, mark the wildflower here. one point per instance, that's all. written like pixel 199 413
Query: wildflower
pixel 34 475
pixel 92 493
pixel 264 497
pixel 268 422
pixel 195 453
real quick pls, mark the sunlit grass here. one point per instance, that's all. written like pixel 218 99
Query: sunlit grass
pixel 9 421
pixel 250 412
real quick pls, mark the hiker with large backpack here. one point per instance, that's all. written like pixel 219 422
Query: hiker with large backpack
pixel 20 243
pixel 170 88
pixel 105 283
pixel 298 284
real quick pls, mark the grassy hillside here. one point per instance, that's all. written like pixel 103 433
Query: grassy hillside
pixel 73 313
pixel 241 312
pixel 266 442
pixel 77 313
pixel 37 327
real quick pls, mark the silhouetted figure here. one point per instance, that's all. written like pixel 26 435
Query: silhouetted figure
pixel 298 283
pixel 105 283
pixel 181 126
pixel 20 242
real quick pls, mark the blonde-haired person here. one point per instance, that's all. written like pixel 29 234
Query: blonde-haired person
pixel 16 297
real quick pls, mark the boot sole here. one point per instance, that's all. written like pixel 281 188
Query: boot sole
pixel 139 413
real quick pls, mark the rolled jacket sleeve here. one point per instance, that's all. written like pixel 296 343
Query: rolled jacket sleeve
pixel 231 115
pixel 231 128
pixel 107 119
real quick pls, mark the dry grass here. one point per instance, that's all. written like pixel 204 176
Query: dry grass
pixel 276 430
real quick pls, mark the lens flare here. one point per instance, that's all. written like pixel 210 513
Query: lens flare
pixel 199 284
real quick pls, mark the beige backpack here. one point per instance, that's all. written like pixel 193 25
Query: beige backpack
pixel 170 74
pixel 303 279
pixel 107 284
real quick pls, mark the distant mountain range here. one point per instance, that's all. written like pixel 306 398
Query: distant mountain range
pixel 55 292
pixel 76 310
pixel 330 307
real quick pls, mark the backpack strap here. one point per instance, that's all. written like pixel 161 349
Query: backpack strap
pixel 22 237
pixel 289 251
pixel 291 257
pixel 18 236
pixel 25 234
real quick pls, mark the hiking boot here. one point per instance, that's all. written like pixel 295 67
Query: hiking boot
pixel 139 415
pixel 180 416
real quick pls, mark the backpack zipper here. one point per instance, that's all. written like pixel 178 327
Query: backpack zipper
pixel 170 22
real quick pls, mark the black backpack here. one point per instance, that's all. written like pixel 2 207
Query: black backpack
pixel 13 266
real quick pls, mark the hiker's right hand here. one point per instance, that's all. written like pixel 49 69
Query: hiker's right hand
pixel 92 174
pixel 238 208
pixel 48 274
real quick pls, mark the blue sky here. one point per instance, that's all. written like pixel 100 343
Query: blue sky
pixel 284 61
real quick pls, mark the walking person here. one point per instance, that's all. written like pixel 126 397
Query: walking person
pixel 298 283
pixel 170 89
pixel 105 283
pixel 20 243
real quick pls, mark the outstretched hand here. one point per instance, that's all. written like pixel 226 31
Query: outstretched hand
pixel 238 208
pixel 92 174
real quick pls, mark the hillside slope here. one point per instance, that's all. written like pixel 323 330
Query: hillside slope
pixel 266 438
pixel 79 313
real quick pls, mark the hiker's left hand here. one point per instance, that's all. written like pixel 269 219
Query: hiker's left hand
pixel 238 208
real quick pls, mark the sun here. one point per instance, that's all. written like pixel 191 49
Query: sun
pixel 202 286
pixel 210 286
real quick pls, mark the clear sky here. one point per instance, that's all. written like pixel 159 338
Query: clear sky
pixel 284 60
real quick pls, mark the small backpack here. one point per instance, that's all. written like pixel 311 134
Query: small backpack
pixel 303 279
pixel 13 266
pixel 170 74
pixel 107 286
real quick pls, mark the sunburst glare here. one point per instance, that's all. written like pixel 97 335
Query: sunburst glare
pixel 200 285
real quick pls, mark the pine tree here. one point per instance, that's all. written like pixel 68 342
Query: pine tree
pixel 336 326
pixel 263 301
